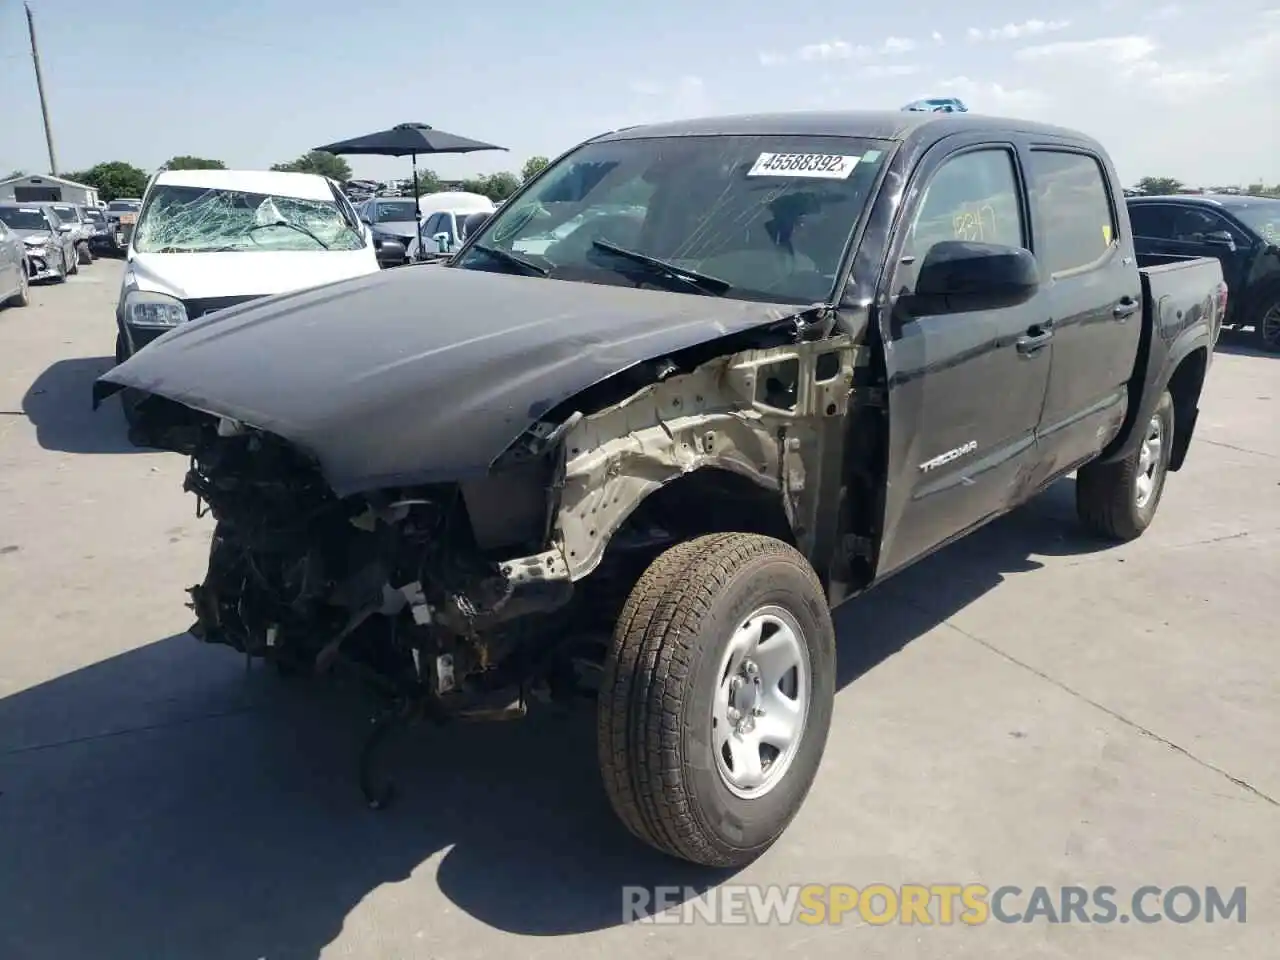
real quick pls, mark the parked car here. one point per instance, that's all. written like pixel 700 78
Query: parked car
pixel 51 252
pixel 103 240
pixel 15 288
pixel 1242 232
pixel 443 215
pixel 122 214
pixel 644 472
pixel 82 229
pixel 394 225
pixel 209 239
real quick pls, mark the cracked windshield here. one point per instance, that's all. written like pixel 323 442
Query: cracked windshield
pixel 200 220
pixel 752 217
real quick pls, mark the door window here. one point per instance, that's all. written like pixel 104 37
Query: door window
pixel 972 196
pixel 1077 223
pixel 1192 225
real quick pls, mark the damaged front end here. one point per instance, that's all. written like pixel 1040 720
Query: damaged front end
pixel 389 584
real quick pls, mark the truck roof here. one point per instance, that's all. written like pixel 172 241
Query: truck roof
pixel 898 125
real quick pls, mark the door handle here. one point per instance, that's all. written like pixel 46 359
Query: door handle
pixel 1126 308
pixel 1034 340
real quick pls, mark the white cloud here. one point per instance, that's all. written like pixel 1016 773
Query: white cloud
pixel 830 50
pixel 882 71
pixel 1170 11
pixel 1120 50
pixel 1016 31
pixel 937 38
pixel 989 97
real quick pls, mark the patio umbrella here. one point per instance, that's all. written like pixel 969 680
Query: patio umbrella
pixel 408 140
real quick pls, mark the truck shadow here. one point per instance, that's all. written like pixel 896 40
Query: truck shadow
pixel 167 802
pixel 60 406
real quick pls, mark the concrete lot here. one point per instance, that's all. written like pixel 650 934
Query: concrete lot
pixel 1025 708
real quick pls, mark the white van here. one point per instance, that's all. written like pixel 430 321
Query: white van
pixel 209 239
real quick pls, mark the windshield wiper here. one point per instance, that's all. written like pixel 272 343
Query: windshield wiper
pixel 291 226
pixel 511 258
pixel 703 282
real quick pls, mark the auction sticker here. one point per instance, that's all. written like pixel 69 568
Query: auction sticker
pixel 823 166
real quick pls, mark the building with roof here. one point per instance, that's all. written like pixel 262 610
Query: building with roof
pixel 44 188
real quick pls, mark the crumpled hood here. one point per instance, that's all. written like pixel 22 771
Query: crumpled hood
pixel 44 236
pixel 245 274
pixel 423 373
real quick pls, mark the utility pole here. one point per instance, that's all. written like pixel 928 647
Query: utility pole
pixel 44 104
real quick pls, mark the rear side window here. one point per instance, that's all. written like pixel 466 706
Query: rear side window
pixel 1152 219
pixel 1075 221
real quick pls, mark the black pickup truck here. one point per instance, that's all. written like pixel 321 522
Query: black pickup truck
pixel 778 359
pixel 1242 232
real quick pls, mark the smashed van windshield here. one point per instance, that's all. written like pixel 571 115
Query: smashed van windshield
pixel 770 216
pixel 202 220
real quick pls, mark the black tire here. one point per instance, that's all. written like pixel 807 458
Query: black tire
pixel 61 273
pixel 23 297
pixel 1108 499
pixel 122 349
pixel 660 679
pixel 1267 327
pixel 84 255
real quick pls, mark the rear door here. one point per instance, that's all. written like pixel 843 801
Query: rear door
pixel 1192 230
pixel 966 389
pixel 1095 296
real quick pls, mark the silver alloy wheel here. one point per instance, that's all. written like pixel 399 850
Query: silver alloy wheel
pixel 24 285
pixel 1150 462
pixel 761 702
pixel 1269 328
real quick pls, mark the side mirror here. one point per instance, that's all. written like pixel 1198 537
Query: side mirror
pixel 66 228
pixel 958 276
pixel 1219 238
pixel 366 221
pixel 391 252
pixel 443 241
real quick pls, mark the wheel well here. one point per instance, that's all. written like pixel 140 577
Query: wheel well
pixel 1184 387
pixel 713 500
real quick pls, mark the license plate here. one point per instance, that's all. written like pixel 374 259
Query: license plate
pixel 128 217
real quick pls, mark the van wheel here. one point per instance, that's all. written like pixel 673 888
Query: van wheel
pixel 716 698
pixel 1118 500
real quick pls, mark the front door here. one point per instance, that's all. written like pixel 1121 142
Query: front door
pixel 1095 295
pixel 965 389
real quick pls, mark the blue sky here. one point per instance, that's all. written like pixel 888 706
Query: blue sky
pixel 1167 88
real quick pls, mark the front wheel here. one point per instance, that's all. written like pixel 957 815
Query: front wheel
pixel 23 297
pixel 72 266
pixel 1118 500
pixel 717 697
pixel 83 254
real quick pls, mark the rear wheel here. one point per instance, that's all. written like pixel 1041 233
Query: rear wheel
pixel 1268 328
pixel 1118 500
pixel 83 254
pixel 716 698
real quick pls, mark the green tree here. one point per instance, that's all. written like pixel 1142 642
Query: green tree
pixel 113 179
pixel 14 174
pixel 1160 186
pixel 428 182
pixel 317 161
pixel 1255 189
pixel 193 163
pixel 532 167
pixel 496 186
